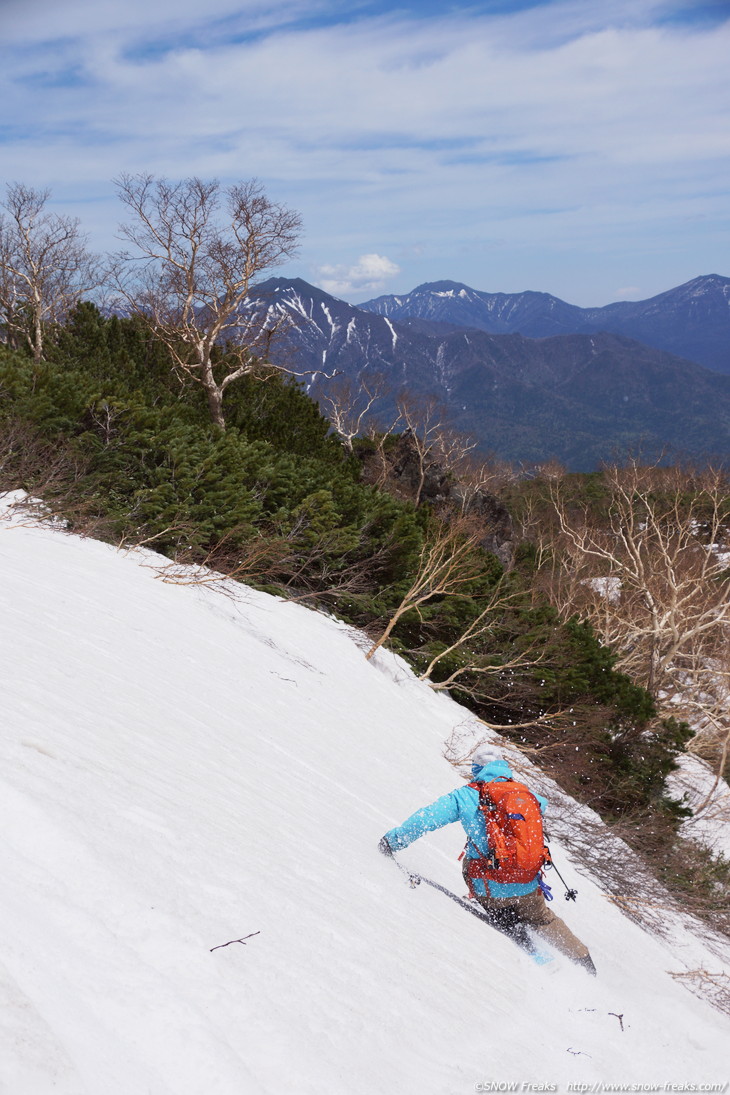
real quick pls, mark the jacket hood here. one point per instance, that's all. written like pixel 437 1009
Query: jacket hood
pixel 496 769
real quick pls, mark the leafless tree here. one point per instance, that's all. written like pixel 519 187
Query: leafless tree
pixel 196 249
pixel 447 564
pixel 478 631
pixel 380 470
pixel 434 440
pixel 477 476
pixel 348 405
pixel 227 562
pixel 45 267
pixel 653 581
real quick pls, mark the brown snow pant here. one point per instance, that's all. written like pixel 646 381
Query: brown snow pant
pixel 512 915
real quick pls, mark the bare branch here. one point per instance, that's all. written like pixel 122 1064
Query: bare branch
pixel 196 248
pixel 242 940
pixel 652 578
pixel 347 406
pixel 45 268
pixel 447 564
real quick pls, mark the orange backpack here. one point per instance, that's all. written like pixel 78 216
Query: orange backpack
pixel 515 837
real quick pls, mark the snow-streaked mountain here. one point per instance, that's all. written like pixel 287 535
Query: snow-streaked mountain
pixel 691 321
pixel 536 315
pixel 186 765
pixel 327 333
pixel 581 398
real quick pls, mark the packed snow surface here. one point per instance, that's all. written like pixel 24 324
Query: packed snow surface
pixel 709 798
pixel 184 765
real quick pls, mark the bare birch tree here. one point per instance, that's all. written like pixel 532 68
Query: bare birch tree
pixel 450 562
pixel 45 267
pixel 656 587
pixel 447 565
pixel 348 405
pixel 476 632
pixel 433 439
pixel 476 476
pixel 196 249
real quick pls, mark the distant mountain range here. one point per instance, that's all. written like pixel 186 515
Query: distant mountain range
pixel 577 396
pixel 692 321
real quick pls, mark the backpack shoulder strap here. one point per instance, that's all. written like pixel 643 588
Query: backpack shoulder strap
pixel 496 847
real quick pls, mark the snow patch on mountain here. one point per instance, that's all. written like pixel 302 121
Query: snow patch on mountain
pixel 393 332
pixel 333 326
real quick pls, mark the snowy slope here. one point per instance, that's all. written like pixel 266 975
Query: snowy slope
pixel 709 798
pixel 180 768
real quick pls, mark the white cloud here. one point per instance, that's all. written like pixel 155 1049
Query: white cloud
pixel 369 274
pixel 629 291
pixel 572 128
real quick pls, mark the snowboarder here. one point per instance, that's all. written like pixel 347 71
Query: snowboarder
pixel 512 907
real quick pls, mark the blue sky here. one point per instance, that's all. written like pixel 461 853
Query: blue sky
pixel 573 146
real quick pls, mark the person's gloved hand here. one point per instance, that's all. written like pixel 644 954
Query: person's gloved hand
pixel 384 846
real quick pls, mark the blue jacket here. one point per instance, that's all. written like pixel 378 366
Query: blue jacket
pixel 463 805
